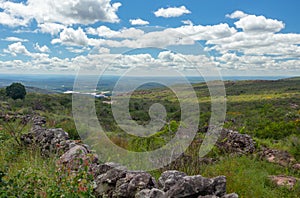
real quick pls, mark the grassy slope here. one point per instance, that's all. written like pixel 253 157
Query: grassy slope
pixel 267 110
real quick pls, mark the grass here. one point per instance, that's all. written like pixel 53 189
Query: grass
pixel 267 110
pixel 25 173
pixel 248 177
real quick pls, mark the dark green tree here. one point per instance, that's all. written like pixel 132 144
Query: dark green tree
pixel 16 91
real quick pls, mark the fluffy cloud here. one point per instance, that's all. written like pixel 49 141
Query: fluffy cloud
pixel 69 36
pixel 138 22
pixel 187 22
pixel 259 24
pixel 9 20
pixel 56 11
pixel 14 39
pixel 171 12
pixel 199 32
pixel 17 48
pixel 50 28
pixel 43 49
pixel 237 15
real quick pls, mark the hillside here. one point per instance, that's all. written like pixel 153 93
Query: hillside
pixel 267 111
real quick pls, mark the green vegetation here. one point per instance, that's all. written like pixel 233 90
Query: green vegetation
pixel 25 173
pixel 16 91
pixel 269 111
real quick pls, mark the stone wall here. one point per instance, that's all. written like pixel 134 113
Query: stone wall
pixel 114 180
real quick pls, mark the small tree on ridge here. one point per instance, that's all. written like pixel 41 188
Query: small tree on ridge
pixel 16 91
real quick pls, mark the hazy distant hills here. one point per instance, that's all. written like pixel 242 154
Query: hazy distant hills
pixel 49 84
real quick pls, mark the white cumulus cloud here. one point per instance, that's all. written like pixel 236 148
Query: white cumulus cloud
pixel 259 24
pixel 69 36
pixel 50 28
pixel 171 12
pixel 56 11
pixel 17 48
pixel 43 49
pixel 138 22
pixel 237 15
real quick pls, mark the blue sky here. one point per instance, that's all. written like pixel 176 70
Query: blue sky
pixel 237 37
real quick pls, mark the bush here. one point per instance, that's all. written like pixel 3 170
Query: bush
pixel 16 91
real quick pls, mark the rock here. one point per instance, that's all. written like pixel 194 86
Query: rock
pixel 153 193
pixel 132 183
pixel 39 121
pixel 232 195
pixel 193 186
pixel 282 158
pixel 27 139
pixel 296 166
pixel 76 158
pixel 49 140
pixel 99 169
pixel 106 183
pixel 282 180
pixel 114 180
pixel 234 142
pixel 169 179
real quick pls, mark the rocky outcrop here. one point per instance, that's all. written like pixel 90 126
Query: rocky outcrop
pixel 280 157
pixel 296 166
pixel 235 142
pixel 282 180
pixel 114 180
pixel 49 140
pixel 194 186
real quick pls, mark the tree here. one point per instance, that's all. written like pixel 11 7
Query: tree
pixel 16 91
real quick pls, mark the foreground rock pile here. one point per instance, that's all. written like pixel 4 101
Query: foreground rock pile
pixel 234 142
pixel 113 180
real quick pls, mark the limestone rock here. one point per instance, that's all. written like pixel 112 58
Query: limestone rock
pixel 153 193
pixel 169 179
pixel 234 142
pixel 282 158
pixel 194 186
pixel 282 180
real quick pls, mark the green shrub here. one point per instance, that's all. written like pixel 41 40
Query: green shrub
pixel 16 91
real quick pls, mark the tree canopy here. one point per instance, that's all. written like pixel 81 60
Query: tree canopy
pixel 16 91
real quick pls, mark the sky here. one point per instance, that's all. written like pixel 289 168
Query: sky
pixel 236 37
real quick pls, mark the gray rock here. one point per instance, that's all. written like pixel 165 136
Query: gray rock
pixel 76 158
pixel 232 195
pixel 194 186
pixel 169 179
pixel 132 183
pixel 235 142
pixel 153 193
pixel 106 183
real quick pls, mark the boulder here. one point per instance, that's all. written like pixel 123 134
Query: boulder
pixel 169 179
pixel 76 158
pixel 235 142
pixel 153 193
pixel 105 183
pixel 194 186
pixel 133 183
